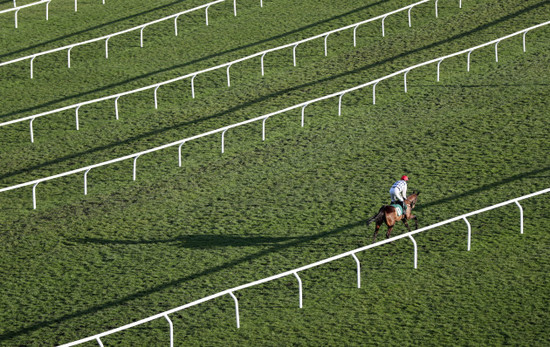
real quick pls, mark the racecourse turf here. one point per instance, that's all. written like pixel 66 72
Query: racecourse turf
pixel 80 265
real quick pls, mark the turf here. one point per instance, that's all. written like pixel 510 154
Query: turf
pixel 80 265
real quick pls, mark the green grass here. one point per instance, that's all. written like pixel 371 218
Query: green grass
pixel 80 265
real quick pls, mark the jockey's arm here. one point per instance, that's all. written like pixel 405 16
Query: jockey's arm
pixel 404 193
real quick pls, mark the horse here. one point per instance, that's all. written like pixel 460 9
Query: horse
pixel 388 214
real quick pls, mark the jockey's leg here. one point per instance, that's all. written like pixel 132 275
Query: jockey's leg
pixel 402 203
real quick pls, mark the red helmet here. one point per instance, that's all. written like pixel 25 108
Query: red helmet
pixel 404 178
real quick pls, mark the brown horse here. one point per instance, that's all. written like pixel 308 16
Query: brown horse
pixel 388 214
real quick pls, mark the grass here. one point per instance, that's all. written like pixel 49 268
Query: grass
pixel 80 265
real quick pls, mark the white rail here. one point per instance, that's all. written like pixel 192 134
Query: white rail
pixel 106 38
pixel 263 118
pixel 16 8
pixel 193 75
pixel 75 4
pixel 306 267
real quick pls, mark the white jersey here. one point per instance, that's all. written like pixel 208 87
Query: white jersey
pixel 398 191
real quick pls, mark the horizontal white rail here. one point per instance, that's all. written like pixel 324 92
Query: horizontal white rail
pixel 75 4
pixel 17 8
pixel 306 267
pixel 262 118
pixel 193 75
pixel 106 38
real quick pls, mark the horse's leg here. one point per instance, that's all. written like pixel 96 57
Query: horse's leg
pixel 415 221
pixel 389 231
pixel 376 228
pixel 406 224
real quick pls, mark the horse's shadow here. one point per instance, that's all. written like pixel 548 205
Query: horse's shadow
pixel 202 241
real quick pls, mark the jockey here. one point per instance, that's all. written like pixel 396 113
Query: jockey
pixel 398 192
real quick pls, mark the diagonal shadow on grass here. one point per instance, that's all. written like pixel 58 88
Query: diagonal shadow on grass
pixel 272 95
pixel 175 67
pixel 91 28
pixel 275 248
pixel 200 241
pixel 529 174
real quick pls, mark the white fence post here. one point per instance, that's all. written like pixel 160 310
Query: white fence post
pixel 228 77
pixel 107 48
pixel 415 251
pixel 469 232
pixel 223 140
pixel 171 330
pixel 439 63
pixel 156 102
pixel 496 51
pixel 86 182
pixel 303 114
pixel 99 342
pixel 176 25
pixel 34 195
pixel 405 79
pixel 520 216
pixel 294 54
pixel 374 93
pixel 116 107
pixel 436 14
pixel 340 104
pixel 326 50
pixel 31 130
pixel 358 270
pixel 383 32
pixel 141 37
pixel 300 288
pixel 135 167
pixel 236 308
pixel 262 62
pixel 76 116
pixel 179 153
pixel 32 67
pixel 468 64
pixel 193 86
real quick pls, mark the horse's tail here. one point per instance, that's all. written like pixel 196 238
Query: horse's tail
pixel 378 218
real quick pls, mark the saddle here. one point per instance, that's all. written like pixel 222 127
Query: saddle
pixel 399 209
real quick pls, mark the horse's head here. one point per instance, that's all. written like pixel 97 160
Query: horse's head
pixel 412 199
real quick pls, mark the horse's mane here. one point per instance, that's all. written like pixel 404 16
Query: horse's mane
pixel 412 197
